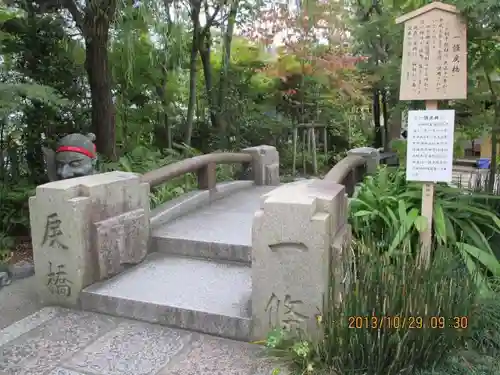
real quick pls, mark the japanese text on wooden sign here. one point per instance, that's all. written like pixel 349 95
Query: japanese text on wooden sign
pixel 430 145
pixel 434 65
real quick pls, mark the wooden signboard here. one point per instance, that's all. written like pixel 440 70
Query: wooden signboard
pixel 434 67
pixel 434 63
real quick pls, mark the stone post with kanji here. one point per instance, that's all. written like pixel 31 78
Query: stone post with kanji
pixel 300 242
pixel 86 229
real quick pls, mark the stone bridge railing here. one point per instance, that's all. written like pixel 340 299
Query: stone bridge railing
pixel 260 164
pixel 301 246
pixel 87 229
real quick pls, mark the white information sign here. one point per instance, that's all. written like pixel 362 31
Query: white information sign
pixel 429 155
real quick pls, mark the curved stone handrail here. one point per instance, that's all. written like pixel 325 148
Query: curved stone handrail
pixel 348 172
pixel 261 161
pixel 341 170
pixel 203 165
pixel 358 162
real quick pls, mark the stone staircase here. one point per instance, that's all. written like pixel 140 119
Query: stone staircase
pixel 197 275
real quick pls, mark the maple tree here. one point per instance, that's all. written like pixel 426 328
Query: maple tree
pixel 313 61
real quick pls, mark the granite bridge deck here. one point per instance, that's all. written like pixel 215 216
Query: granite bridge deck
pixel 198 275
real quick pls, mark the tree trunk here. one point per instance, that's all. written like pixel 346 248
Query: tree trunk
pixel 226 55
pixel 495 129
pixel 385 115
pixel 376 119
pixel 34 154
pixel 163 129
pixel 223 82
pixel 204 46
pixel 192 87
pixel 97 67
pixel 168 126
pixel 162 132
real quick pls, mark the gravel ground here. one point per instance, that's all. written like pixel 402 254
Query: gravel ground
pixel 17 301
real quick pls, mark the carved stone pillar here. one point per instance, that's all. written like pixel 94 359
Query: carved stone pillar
pixel 372 156
pixel 298 240
pixel 86 229
pixel 265 164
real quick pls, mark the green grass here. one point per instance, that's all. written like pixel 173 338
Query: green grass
pixel 397 287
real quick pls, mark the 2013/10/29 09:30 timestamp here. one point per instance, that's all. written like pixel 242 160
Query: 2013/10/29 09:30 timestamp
pixel 408 322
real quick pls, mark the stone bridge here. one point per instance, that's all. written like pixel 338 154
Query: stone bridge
pixel 232 259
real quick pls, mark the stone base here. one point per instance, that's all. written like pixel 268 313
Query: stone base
pixel 182 292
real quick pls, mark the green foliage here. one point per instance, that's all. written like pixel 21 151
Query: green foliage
pixel 480 357
pixel 14 215
pixel 399 147
pixel 466 364
pixel 12 96
pixel 6 244
pixel 237 102
pixel 391 288
pixel 386 209
pixel 14 206
pixel 143 159
pixel 44 92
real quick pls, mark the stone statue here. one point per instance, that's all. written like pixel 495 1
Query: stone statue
pixel 75 156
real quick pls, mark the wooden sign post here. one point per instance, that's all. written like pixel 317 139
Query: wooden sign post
pixel 434 67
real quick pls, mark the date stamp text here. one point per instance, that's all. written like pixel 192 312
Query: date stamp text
pixel 408 322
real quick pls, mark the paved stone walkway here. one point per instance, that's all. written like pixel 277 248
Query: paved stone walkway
pixel 17 301
pixel 57 341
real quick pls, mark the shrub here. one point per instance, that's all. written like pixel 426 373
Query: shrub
pixel 481 354
pixel 388 288
pixel 14 210
pixel 465 364
pixel 6 245
pixel 14 214
pixel 386 209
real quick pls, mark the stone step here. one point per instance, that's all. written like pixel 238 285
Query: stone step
pixel 198 248
pixel 194 294
pixel 222 230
